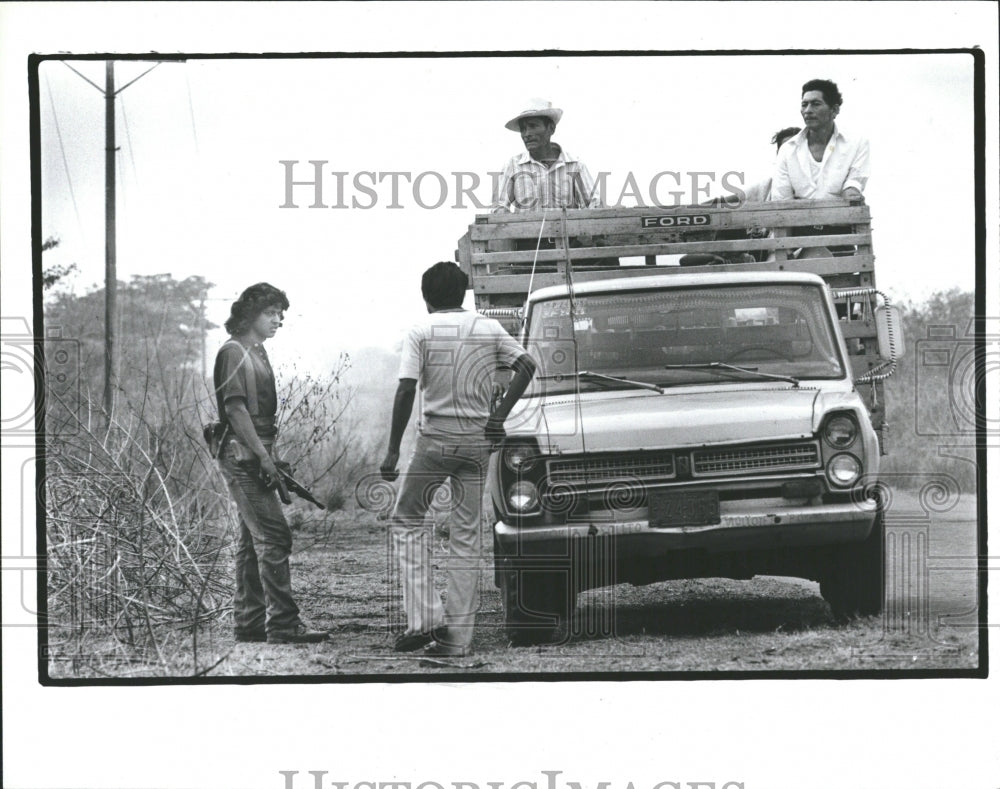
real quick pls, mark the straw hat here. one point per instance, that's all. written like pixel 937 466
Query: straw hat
pixel 537 108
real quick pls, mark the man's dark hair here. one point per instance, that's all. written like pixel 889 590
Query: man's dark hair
pixel 831 93
pixel 443 285
pixel 783 134
pixel 251 303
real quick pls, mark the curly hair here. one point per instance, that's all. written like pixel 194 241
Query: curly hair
pixel 251 303
pixel 829 89
pixel 443 285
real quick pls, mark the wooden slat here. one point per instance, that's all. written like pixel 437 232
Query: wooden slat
pixel 858 329
pixel 518 283
pixel 738 244
pixel 851 280
pixel 597 222
pixel 824 267
pixel 583 213
pixel 667 248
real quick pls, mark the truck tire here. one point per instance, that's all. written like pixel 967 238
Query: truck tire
pixel 535 604
pixel 853 581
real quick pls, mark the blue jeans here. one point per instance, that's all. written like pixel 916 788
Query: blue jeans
pixel 263 600
pixel 463 462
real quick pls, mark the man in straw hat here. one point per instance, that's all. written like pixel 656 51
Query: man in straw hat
pixel 545 176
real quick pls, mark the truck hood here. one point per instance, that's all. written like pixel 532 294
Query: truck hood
pixel 632 420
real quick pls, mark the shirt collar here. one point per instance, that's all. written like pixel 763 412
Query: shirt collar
pixel 803 136
pixel 563 158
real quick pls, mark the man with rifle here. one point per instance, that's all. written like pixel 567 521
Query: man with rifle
pixel 263 608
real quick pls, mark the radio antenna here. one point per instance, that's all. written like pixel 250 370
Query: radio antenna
pixel 572 324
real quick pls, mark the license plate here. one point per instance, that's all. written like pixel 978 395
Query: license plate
pixel 683 508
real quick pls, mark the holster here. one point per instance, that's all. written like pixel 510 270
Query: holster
pixel 215 433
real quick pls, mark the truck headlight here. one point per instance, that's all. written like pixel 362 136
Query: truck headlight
pixel 522 497
pixel 841 431
pixel 517 457
pixel 843 470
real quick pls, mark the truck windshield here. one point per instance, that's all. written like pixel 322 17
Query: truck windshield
pixel 682 336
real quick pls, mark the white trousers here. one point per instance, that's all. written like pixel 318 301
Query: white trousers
pixel 464 464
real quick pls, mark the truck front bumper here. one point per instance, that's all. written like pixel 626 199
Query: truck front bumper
pixel 744 525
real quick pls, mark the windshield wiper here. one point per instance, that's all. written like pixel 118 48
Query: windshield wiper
pixel 724 368
pixel 587 375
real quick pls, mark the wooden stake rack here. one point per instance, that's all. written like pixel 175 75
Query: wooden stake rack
pixel 498 250
pixel 502 253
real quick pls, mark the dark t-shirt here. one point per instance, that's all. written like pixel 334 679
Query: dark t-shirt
pixel 233 381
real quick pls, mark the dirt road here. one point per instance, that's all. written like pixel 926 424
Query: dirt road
pixel 345 583
pixel 773 624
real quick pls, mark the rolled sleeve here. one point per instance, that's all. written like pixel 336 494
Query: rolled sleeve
pixel 860 169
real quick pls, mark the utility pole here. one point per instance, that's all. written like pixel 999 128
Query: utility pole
pixel 110 262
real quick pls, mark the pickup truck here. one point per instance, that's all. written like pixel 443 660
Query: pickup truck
pixel 687 421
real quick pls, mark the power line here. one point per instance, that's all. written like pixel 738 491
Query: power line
pixel 62 151
pixel 128 138
pixel 122 188
pixel 194 127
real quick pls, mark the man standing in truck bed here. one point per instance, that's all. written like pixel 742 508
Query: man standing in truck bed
pixel 545 176
pixel 821 161
pixel 453 355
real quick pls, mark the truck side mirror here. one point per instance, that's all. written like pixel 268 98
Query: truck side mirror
pixel 889 325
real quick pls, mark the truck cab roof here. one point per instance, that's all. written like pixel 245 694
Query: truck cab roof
pixel 663 281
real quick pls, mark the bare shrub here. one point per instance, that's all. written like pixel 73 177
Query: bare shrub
pixel 325 435
pixel 138 532
pixel 140 528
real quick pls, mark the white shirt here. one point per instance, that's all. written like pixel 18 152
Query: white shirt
pixel 528 185
pixel 453 355
pixel 798 175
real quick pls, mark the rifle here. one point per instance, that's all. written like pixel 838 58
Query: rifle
pixel 286 483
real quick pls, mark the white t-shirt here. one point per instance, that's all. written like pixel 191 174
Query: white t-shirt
pixel 454 355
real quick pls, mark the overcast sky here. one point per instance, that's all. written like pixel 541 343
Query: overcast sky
pixel 200 183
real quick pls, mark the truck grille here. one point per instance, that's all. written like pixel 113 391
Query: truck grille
pixel 607 468
pixel 662 465
pixel 784 457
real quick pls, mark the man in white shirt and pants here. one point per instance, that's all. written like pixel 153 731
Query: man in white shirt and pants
pixel 452 355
